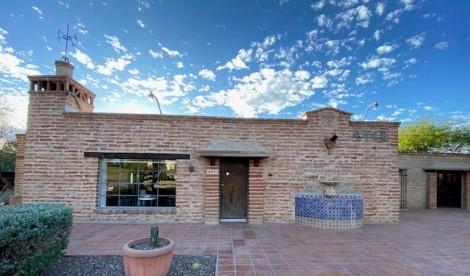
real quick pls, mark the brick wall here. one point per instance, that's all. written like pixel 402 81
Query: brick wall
pixel 57 171
pixel 256 194
pixel 431 190
pixel 211 192
pixel 418 195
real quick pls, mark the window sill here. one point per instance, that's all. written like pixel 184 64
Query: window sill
pixel 136 210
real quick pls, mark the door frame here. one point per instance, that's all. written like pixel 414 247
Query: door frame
pixel 462 191
pixel 246 161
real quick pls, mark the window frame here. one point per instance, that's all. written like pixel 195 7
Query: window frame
pixel 102 185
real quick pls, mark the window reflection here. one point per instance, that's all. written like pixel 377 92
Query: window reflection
pixel 139 183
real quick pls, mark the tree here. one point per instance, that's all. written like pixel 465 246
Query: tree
pixel 458 140
pixel 7 147
pixel 430 136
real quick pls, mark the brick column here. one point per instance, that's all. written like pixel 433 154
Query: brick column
pixel 255 192
pixel 466 182
pixel 19 169
pixel 431 190
pixel 211 193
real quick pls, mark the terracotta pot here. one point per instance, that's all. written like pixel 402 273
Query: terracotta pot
pixel 153 262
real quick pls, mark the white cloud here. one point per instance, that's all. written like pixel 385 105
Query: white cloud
pixel 267 91
pixel 66 5
pixel 319 82
pixel 380 8
pixel 167 91
pixel 83 58
pixel 394 16
pixel 179 64
pixel 171 53
pixel 113 64
pixel 141 4
pixel 15 107
pixel 115 43
pixel 81 28
pixel 397 112
pixel 428 108
pixel 410 62
pixel 270 40
pixel 364 79
pixel 238 62
pixel 204 88
pixel 133 71
pixel 3 34
pixel 408 4
pixel 377 35
pixel 416 41
pixel 376 62
pixel 12 66
pixel 324 21
pixel 361 15
pixel 385 49
pixel 155 54
pixel 339 63
pixel 319 5
pixel 40 13
pixel 140 23
pixel 441 45
pixel 207 74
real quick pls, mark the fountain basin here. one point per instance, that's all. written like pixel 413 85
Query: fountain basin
pixel 342 212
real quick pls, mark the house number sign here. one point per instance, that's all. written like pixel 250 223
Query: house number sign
pixel 372 136
pixel 212 172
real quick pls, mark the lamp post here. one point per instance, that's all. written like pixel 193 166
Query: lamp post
pixel 152 96
pixel 372 105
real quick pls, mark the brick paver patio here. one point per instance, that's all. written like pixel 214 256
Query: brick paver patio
pixel 426 242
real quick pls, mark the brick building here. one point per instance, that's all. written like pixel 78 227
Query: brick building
pixel 171 168
pixel 434 180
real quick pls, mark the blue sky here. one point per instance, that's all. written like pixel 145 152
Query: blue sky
pixel 272 59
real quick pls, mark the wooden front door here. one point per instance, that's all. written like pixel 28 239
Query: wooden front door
pixel 233 188
pixel 449 189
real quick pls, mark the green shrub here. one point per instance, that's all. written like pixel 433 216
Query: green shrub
pixel 32 236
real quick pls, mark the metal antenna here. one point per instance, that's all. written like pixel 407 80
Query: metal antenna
pixel 372 105
pixel 73 39
pixel 152 96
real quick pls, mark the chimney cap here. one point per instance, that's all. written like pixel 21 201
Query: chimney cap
pixel 63 68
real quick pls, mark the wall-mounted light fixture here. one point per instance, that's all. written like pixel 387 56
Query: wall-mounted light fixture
pixel 330 142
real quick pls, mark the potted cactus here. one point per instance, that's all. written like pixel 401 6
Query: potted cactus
pixel 148 256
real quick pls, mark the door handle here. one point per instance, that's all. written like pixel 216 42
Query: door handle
pixel 221 184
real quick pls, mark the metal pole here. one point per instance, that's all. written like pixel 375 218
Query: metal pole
pixel 374 105
pixel 66 44
pixel 151 95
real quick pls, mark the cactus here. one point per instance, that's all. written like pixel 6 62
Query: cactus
pixel 153 236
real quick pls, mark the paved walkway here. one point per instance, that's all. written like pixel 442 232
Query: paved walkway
pixel 426 242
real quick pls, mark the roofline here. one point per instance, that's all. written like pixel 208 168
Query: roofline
pixel 198 117
pixel 329 108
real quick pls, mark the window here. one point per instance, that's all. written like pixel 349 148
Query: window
pixel 403 188
pixel 137 183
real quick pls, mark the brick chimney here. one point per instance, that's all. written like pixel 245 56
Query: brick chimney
pixel 59 93
pixel 63 68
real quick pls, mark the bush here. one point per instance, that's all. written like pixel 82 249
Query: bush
pixel 32 236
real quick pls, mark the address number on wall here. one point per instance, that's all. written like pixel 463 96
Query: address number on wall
pixel 212 172
pixel 373 136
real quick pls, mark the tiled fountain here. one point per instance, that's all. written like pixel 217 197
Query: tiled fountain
pixel 329 205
